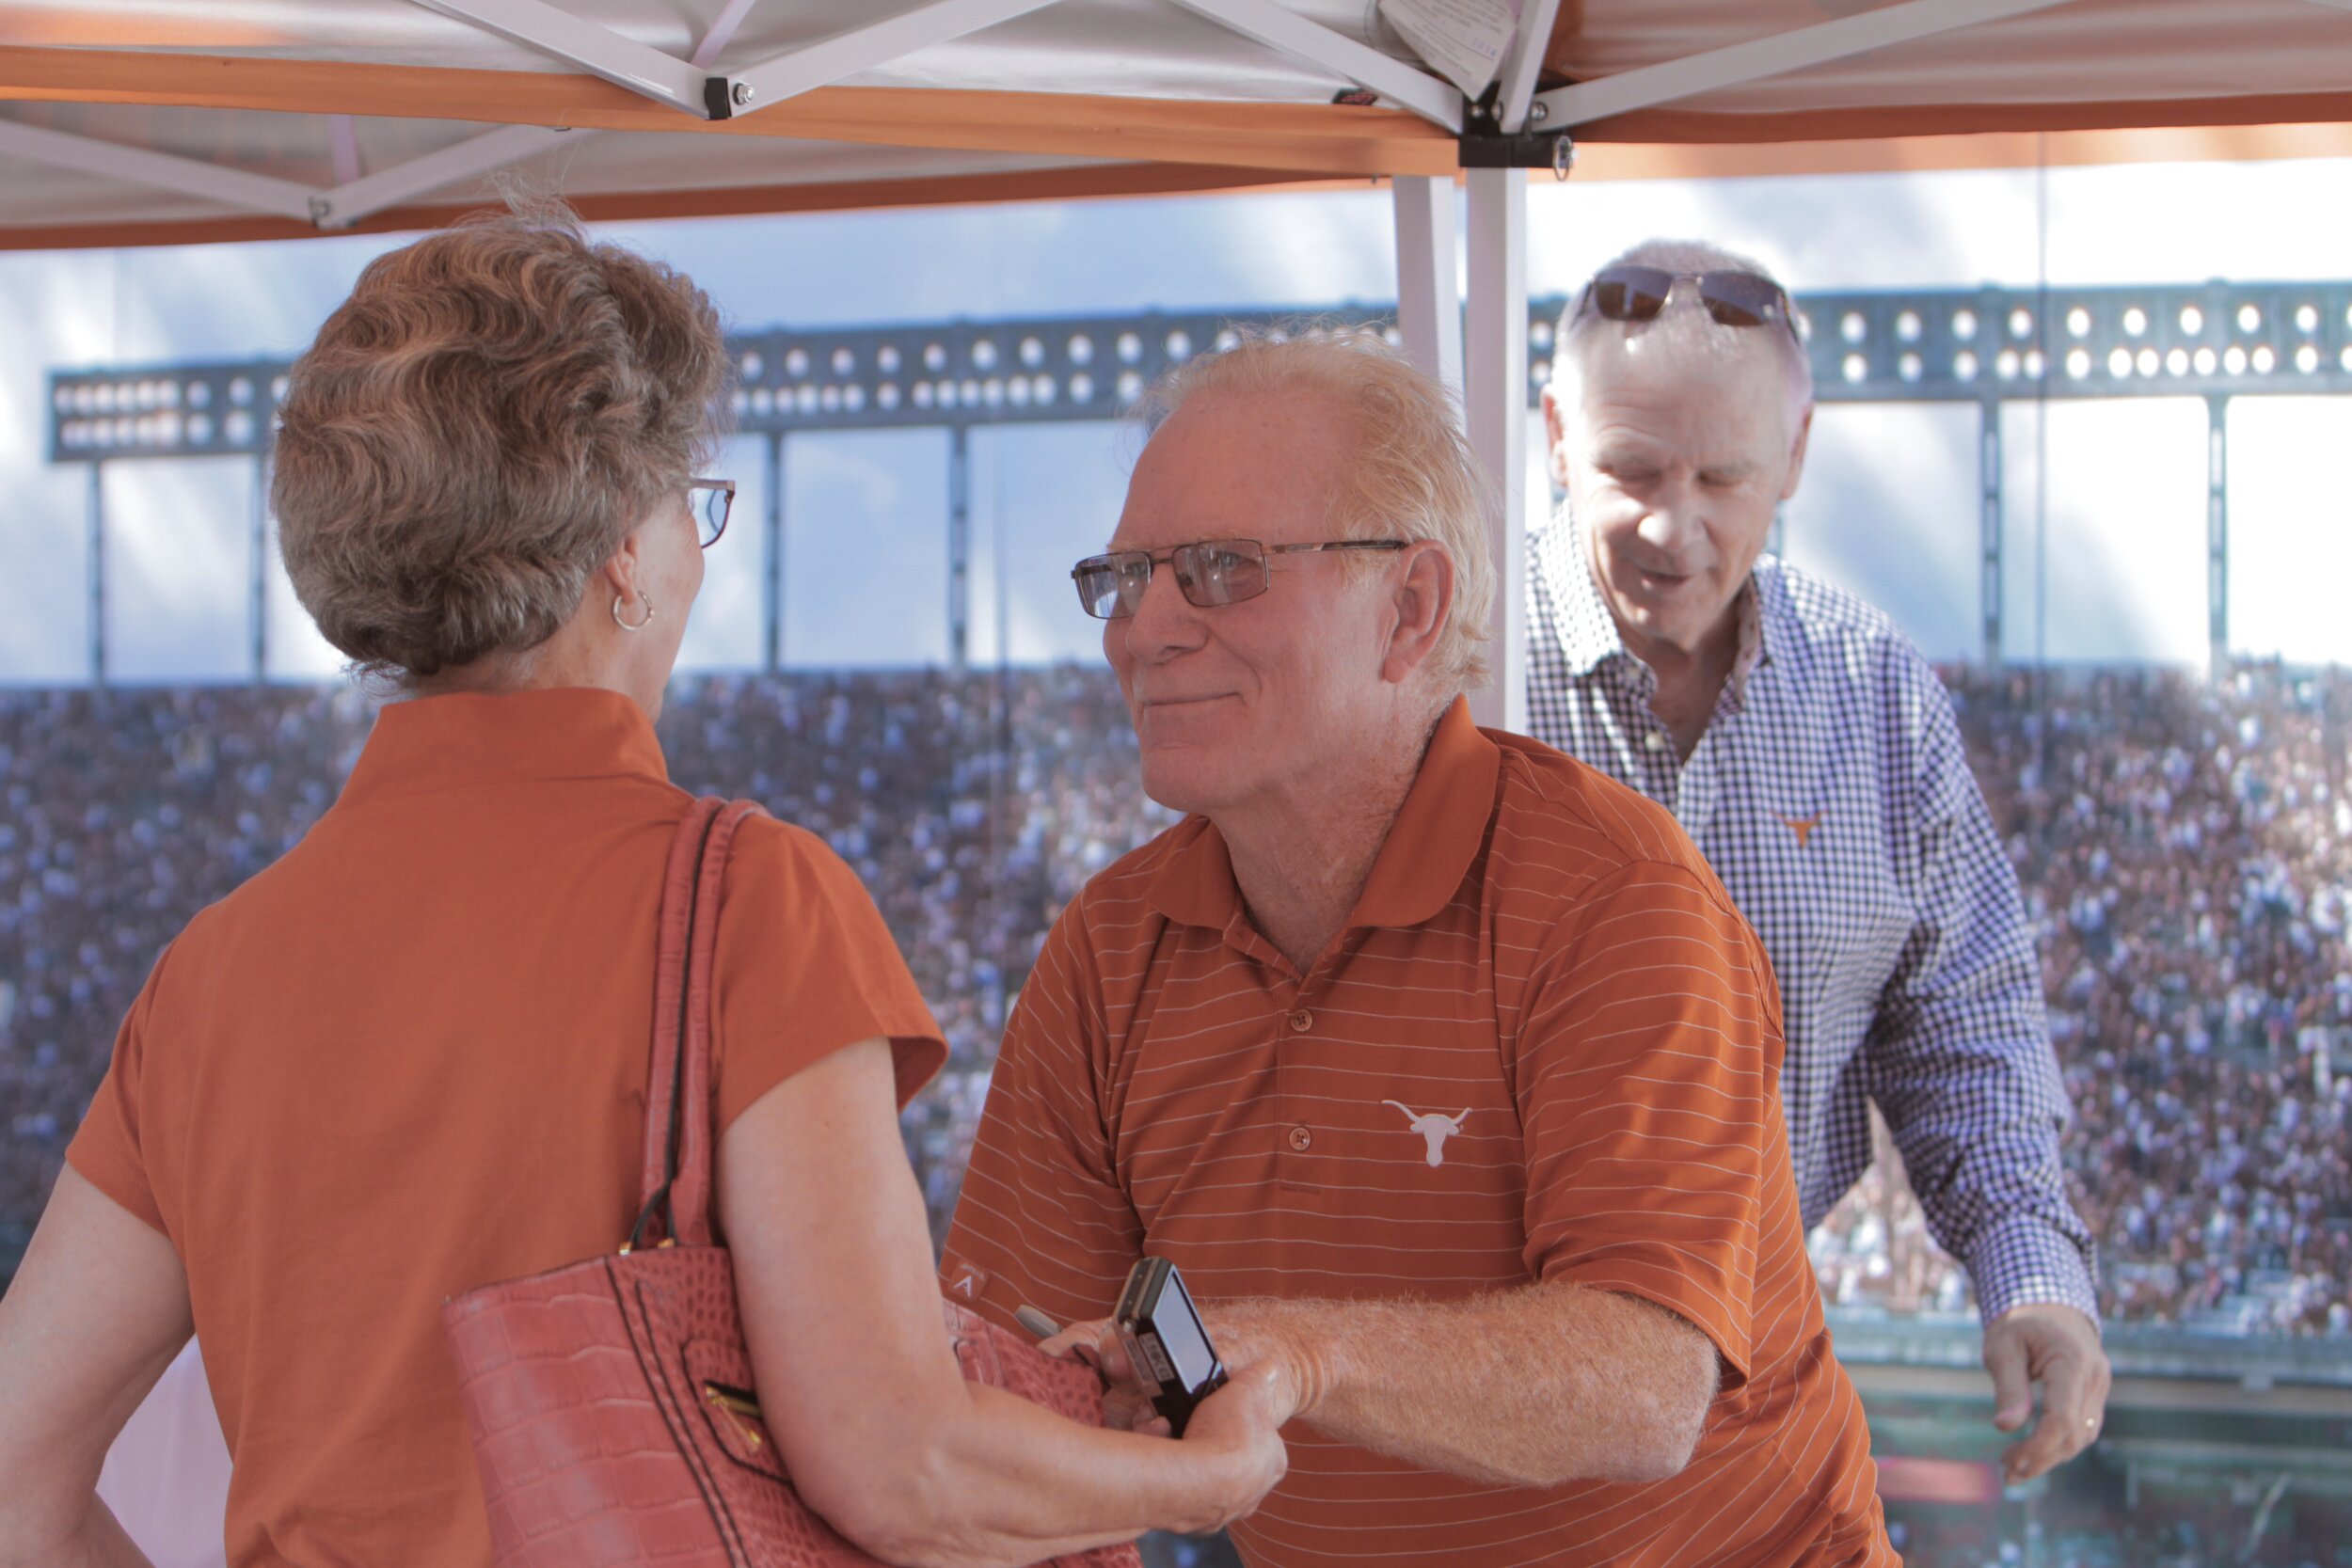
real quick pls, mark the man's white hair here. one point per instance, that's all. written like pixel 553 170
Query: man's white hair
pixel 1683 330
pixel 1412 472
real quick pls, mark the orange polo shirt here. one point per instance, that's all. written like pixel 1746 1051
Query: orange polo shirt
pixel 410 1058
pixel 1545 1047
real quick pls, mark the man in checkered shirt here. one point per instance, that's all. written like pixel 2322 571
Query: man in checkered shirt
pixel 1812 754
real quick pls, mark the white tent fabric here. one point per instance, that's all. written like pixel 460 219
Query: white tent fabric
pixel 2087 62
pixel 970 99
pixel 1137 48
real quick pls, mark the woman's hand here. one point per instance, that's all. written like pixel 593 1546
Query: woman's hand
pixel 1126 1404
pixel 1240 1425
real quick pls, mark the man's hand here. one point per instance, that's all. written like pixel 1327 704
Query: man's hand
pixel 2055 1345
pixel 1125 1404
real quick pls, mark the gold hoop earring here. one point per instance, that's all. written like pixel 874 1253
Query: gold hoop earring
pixel 618 601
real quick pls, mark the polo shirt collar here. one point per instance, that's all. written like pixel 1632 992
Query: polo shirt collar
pixel 1440 827
pixel 1587 632
pixel 469 739
pixel 1438 833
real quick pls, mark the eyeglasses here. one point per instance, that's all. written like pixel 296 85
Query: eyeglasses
pixel 709 500
pixel 1632 293
pixel 1210 571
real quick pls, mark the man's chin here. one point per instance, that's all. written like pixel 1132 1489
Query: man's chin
pixel 1180 782
pixel 1667 624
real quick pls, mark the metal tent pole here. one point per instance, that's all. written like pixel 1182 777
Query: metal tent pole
pixel 2218 535
pixel 959 545
pixel 259 604
pixel 1989 526
pixel 1428 295
pixel 97 573
pixel 772 582
pixel 1496 404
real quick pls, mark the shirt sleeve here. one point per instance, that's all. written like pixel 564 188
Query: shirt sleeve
pixel 1043 1220
pixel 109 1149
pixel 1645 1078
pixel 806 966
pixel 1959 1056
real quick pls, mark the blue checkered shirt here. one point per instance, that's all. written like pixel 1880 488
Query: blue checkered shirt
pixel 1831 795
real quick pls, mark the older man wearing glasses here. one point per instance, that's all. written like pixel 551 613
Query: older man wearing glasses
pixel 1440 1063
pixel 1810 751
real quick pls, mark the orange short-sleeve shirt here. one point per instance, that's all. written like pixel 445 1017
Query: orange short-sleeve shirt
pixel 410 1058
pixel 1545 1047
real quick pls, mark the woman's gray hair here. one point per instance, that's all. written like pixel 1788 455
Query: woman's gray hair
pixel 1411 474
pixel 477 428
pixel 1683 329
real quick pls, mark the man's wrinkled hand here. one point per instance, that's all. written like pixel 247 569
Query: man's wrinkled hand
pixel 2054 1345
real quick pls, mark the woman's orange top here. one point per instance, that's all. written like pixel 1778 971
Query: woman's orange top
pixel 410 1058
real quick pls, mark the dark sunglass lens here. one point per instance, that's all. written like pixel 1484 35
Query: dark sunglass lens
pixel 1740 299
pixel 1220 571
pixel 1632 293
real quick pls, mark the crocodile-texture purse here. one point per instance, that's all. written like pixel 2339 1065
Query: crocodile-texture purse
pixel 611 1403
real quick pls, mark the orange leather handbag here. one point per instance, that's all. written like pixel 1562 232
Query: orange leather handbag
pixel 611 1403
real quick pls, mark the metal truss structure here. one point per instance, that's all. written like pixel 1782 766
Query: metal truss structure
pixel 1988 346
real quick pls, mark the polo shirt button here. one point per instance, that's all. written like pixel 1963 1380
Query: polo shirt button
pixel 1301 1139
pixel 1654 741
pixel 1302 1021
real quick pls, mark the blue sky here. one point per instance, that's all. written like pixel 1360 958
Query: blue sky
pixel 1888 508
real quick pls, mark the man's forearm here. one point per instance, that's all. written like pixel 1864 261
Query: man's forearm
pixel 1531 1386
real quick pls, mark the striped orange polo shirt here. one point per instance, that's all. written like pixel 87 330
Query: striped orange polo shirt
pixel 1545 1047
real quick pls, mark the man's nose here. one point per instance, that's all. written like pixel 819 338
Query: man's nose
pixel 1672 519
pixel 1165 623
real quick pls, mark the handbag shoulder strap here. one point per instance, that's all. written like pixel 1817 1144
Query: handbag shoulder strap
pixel 675 1180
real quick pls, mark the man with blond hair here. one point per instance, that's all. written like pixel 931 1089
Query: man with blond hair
pixel 1812 753
pixel 1440 1063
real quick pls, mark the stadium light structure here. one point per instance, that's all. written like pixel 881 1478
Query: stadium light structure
pixel 1987 346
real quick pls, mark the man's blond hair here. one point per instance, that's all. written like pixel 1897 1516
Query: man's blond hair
pixel 1411 475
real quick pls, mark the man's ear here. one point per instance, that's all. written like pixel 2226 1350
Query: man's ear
pixel 1422 600
pixel 1555 439
pixel 1796 453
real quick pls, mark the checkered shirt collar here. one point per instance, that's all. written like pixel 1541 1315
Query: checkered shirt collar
pixel 1587 632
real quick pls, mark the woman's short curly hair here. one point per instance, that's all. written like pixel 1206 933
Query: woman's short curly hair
pixel 477 428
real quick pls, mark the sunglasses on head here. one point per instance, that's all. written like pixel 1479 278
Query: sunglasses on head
pixel 1636 294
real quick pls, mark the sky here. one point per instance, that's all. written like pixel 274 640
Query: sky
pixel 2111 494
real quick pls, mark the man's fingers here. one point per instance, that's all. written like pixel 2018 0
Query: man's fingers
pixel 2012 1381
pixel 2069 1421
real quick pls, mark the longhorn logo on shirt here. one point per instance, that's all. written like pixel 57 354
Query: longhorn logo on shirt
pixel 1434 1129
pixel 1803 827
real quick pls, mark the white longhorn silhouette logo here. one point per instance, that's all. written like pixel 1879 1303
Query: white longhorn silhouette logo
pixel 1435 1130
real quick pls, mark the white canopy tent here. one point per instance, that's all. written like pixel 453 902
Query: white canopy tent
pixel 159 121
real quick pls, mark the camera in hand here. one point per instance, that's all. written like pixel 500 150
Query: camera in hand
pixel 1166 1343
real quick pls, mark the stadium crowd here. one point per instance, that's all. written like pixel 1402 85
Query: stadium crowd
pixel 2187 854
pixel 2185 849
